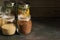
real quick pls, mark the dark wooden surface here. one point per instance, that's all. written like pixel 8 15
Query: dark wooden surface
pixel 42 29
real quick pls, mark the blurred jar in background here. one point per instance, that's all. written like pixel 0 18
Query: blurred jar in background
pixel 1 19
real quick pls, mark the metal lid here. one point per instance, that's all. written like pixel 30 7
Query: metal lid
pixel 23 6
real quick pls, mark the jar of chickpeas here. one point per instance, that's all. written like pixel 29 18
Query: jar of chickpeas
pixel 9 27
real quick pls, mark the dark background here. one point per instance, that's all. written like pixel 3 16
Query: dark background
pixel 43 8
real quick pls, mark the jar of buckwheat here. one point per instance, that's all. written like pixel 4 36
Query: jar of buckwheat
pixel 24 19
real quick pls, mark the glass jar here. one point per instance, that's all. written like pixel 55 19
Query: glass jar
pixel 1 19
pixel 24 19
pixel 9 27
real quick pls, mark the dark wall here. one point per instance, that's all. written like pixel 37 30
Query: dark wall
pixel 44 8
